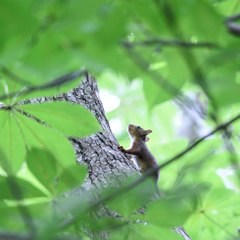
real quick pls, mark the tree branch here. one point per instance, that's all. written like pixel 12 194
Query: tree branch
pixel 14 77
pixel 220 226
pixel 233 26
pixel 11 236
pixel 168 43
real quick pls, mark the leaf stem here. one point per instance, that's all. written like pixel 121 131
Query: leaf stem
pixel 220 226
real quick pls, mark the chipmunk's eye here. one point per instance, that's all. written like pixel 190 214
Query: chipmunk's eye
pixel 138 127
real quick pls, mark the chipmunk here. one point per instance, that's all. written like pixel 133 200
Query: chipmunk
pixel 141 155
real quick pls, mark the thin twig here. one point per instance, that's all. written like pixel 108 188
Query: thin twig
pixel 233 18
pixel 233 26
pixel 12 236
pixel 13 76
pixel 220 226
pixel 54 83
pixel 221 127
pixel 21 131
pixel 168 43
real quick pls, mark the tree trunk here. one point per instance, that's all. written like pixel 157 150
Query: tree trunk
pixel 99 151
pixel 107 165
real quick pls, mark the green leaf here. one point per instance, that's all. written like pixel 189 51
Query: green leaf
pixel 38 136
pixel 154 232
pixel 143 232
pixel 126 204
pixel 227 8
pixel 41 211
pixel 152 17
pixel 16 34
pixel 206 32
pixel 100 29
pixel 223 84
pixel 9 190
pixel 219 198
pixel 129 232
pixel 56 47
pixel 164 126
pixel 177 63
pixel 44 167
pixel 167 212
pixel 11 218
pixel 72 16
pixel 103 24
pixel 155 93
pixel 218 160
pixel 75 205
pixel 71 119
pixel 104 223
pixel 11 142
pixel 71 178
pixel 215 205
pixel 194 226
pixel 194 10
pixel 224 91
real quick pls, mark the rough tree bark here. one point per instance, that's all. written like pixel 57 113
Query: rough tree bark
pixel 99 152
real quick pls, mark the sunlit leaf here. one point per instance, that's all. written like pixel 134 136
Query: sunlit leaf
pixel 219 198
pixel 226 8
pixel 57 51
pixel 153 17
pixel 129 231
pixel 11 217
pixel 156 92
pixel 16 34
pixel 72 119
pixel 223 84
pixel 15 189
pixel 167 212
pixel 178 69
pixel 44 167
pixel 41 137
pixel 155 232
pixel 100 30
pixel 11 142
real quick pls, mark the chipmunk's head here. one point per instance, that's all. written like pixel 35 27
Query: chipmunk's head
pixel 136 131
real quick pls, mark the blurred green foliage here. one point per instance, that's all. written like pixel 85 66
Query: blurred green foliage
pixel 174 67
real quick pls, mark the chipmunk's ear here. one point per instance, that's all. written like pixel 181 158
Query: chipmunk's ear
pixel 147 132
pixel 147 139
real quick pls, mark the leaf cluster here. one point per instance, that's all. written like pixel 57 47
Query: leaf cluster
pixel 151 54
